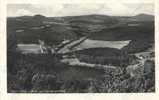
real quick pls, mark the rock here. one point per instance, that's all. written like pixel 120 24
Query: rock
pixel 135 70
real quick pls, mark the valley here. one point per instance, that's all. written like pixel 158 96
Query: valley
pixel 81 54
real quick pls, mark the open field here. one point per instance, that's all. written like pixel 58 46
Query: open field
pixel 101 44
pixel 29 48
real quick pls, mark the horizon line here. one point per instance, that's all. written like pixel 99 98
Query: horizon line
pixel 84 15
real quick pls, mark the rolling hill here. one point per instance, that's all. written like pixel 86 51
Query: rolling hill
pixel 53 30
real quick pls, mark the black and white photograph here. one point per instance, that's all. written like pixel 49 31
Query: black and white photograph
pixel 81 48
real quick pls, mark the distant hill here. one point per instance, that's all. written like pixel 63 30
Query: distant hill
pixel 96 19
pixel 144 17
pixel 53 30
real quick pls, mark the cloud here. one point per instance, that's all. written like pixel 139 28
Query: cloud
pixel 110 8
pixel 22 12
pixel 80 9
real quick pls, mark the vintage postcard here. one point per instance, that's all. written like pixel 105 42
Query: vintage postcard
pixel 79 48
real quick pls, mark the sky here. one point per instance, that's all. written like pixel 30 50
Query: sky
pixel 54 10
